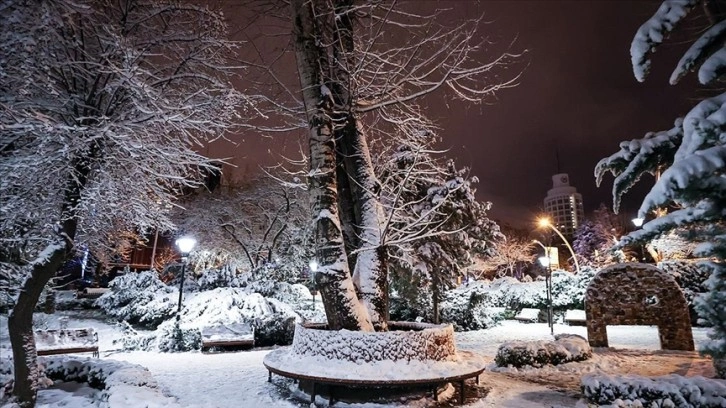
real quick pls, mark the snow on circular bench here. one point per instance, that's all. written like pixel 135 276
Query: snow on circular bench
pixel 420 353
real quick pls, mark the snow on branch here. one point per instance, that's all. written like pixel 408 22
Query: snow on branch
pixel 637 157
pixel 709 41
pixel 653 31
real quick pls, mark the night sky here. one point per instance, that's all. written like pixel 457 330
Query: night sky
pixel 577 95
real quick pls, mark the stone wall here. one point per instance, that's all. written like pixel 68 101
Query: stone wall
pixel 637 294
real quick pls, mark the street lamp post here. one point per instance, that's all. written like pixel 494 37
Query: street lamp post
pixel 547 263
pixel 545 222
pixel 185 245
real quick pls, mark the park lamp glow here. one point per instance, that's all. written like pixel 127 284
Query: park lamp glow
pixel 544 260
pixel 185 245
pixel 638 221
pixel 544 222
pixel 313 265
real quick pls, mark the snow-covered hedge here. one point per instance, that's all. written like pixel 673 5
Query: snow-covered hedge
pixel 139 298
pixel 565 348
pixel 468 310
pixel 666 391
pixel 122 384
pixel 568 291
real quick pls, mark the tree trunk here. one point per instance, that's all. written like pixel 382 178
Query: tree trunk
pixel 20 323
pixel 369 275
pixel 333 279
pixel 435 301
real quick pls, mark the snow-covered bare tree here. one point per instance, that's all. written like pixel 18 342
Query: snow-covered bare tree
pixel 510 256
pixel 247 225
pixel 693 182
pixel 101 106
pixel 362 65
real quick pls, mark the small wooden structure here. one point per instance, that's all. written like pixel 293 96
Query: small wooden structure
pixel 229 335
pixel 91 293
pixel 66 341
pixel 575 317
pixel 527 315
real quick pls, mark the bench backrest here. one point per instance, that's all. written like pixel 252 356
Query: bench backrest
pixel 65 338
pixel 234 331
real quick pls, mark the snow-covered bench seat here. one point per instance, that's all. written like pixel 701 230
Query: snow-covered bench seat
pixel 528 315
pixel 91 293
pixel 575 317
pixel 228 335
pixel 66 341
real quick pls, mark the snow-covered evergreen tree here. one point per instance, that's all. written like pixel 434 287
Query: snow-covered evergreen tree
pixel 590 243
pixel 101 106
pixel 693 181
pixel 434 220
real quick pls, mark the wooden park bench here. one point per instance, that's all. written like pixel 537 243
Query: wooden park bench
pixel 66 341
pixel 229 335
pixel 528 315
pixel 575 317
pixel 91 293
pixel 433 380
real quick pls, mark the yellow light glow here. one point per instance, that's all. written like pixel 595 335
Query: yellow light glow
pixel 544 222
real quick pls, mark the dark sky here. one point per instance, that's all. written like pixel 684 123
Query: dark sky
pixel 577 95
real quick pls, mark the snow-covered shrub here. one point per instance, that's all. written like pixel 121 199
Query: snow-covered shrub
pixel 122 384
pixel 225 277
pixel 565 348
pixel 468 310
pixel 667 391
pixel 299 298
pixel 691 277
pixel 272 320
pixel 139 298
pixel 171 337
pixel 412 306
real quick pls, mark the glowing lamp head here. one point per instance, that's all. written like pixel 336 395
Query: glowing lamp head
pixel 544 222
pixel 638 222
pixel 313 265
pixel 185 245
pixel 544 260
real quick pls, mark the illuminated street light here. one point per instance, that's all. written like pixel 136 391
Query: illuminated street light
pixel 313 265
pixel 546 262
pixel 185 245
pixel 638 222
pixel 546 223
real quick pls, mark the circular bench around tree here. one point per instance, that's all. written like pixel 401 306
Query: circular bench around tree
pixel 637 294
pixel 408 355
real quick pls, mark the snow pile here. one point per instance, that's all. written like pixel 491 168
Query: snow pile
pixel 121 384
pixel 425 342
pixel 666 391
pixel 565 348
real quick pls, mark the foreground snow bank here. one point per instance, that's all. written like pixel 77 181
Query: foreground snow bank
pixel 666 391
pixel 565 348
pixel 122 384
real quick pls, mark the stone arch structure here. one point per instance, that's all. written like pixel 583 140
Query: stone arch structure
pixel 637 294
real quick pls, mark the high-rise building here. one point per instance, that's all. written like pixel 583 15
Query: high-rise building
pixel 563 205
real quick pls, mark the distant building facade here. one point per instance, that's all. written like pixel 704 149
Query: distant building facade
pixel 563 205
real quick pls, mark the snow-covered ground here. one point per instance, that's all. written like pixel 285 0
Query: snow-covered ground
pixel 238 379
